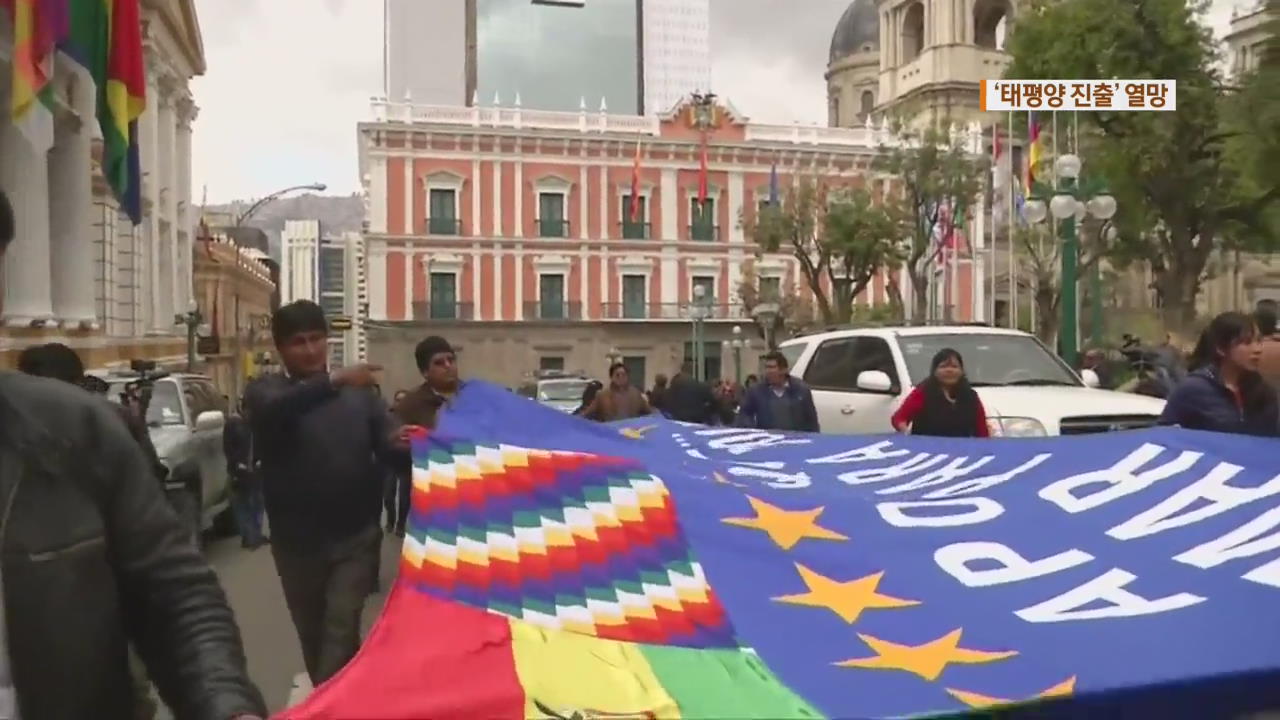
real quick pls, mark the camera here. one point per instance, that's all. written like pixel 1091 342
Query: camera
pixel 137 393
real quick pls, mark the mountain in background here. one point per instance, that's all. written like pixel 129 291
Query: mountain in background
pixel 337 214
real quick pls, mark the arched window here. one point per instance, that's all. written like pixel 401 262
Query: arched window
pixel 834 107
pixel 913 32
pixel 867 103
pixel 990 24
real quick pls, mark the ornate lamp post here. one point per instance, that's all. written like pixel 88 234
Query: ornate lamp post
pixel 766 314
pixel 1065 202
pixel 192 320
pixel 737 343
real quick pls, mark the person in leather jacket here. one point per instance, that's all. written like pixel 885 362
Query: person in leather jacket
pixel 92 557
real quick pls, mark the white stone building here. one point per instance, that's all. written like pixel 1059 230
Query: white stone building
pixel 677 52
pixel 79 272
pixel 329 270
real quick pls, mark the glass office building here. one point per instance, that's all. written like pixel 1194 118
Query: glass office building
pixel 554 53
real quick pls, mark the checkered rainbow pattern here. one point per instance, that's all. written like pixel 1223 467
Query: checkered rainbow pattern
pixel 562 540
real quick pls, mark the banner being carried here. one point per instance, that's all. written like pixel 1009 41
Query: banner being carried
pixel 556 568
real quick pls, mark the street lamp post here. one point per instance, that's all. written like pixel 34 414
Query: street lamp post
pixel 698 312
pixel 737 343
pixel 191 319
pixel 1065 203
pixel 318 187
pixel 766 314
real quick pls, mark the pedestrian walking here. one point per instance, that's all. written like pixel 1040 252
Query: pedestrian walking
pixel 944 404
pixel 323 442
pixel 395 496
pixel 1224 391
pixel 689 399
pixel 94 559
pixel 658 395
pixel 438 364
pixel 1269 362
pixel 620 400
pixel 246 482
pixel 781 402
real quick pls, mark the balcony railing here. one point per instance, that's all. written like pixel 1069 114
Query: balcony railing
pixel 553 228
pixel 670 311
pixel 704 232
pixel 555 311
pixel 634 231
pixel 444 226
pixel 443 311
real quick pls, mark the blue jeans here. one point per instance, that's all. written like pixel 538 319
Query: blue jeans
pixel 246 503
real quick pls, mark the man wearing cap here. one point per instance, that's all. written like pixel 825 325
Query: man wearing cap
pixel 439 367
pixel 323 442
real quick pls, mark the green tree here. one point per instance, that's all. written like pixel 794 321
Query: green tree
pixel 840 236
pixel 1180 195
pixel 937 178
pixel 795 312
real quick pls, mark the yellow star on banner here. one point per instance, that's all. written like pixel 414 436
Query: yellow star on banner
pixel 974 700
pixel 846 599
pixel 722 480
pixel 636 433
pixel 927 660
pixel 785 527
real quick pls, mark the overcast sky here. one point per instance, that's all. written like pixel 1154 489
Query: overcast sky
pixel 289 79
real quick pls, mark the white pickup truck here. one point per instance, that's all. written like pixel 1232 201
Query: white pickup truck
pixel 859 377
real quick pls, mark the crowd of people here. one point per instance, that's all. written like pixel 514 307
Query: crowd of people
pixel 97 566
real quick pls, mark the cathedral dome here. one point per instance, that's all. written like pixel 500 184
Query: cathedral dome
pixel 858 30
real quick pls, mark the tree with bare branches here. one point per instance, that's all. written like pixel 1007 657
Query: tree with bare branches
pixel 938 180
pixel 840 236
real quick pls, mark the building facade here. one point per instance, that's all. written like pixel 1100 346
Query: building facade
pixel 80 272
pixel 1247 37
pixel 510 231
pixel 924 59
pixel 430 50
pixel 677 52
pixel 233 290
pixel 560 56
pixel 328 270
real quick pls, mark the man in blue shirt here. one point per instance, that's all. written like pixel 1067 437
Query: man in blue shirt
pixel 781 402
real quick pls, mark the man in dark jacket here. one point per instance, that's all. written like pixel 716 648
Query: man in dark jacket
pixel 322 439
pixel 92 557
pixel 246 482
pixel 689 399
pixel 781 402
pixel 438 364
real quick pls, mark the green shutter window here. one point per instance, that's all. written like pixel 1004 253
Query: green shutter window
pixel 633 297
pixel 551 216
pixel 442 209
pixel 551 305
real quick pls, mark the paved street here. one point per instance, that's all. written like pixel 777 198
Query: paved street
pixel 254 590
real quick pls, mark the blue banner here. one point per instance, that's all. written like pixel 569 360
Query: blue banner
pixel 1133 574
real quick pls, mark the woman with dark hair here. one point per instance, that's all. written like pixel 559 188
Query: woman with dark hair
pixel 620 401
pixel 944 405
pixel 1224 392
pixel 589 393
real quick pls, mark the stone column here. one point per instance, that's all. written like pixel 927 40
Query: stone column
pixel 167 272
pixel 24 174
pixel 70 225
pixel 150 228
pixel 186 219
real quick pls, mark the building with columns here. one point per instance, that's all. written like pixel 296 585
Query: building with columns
pixel 508 231
pixel 923 58
pixel 80 272
pixel 233 291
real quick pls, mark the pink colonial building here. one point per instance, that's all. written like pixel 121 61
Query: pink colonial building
pixel 509 232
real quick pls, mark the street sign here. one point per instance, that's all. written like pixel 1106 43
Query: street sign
pixel 340 323
pixel 209 345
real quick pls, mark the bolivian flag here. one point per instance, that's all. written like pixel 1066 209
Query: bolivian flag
pixel 105 37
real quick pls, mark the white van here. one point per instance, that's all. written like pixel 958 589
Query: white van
pixel 860 377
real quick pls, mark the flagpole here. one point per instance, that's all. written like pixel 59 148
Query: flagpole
pixel 1013 265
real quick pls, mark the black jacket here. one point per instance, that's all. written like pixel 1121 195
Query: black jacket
pixel 689 400
pixel 1202 402
pixel 93 557
pixel 237 444
pixel 323 453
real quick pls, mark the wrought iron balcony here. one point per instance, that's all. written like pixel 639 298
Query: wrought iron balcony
pixel 671 311
pixel 634 230
pixel 443 311
pixel 554 311
pixel 553 228
pixel 444 226
pixel 704 232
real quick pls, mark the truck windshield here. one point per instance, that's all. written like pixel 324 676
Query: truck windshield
pixel 989 359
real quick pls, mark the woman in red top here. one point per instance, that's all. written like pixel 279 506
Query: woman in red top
pixel 944 405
